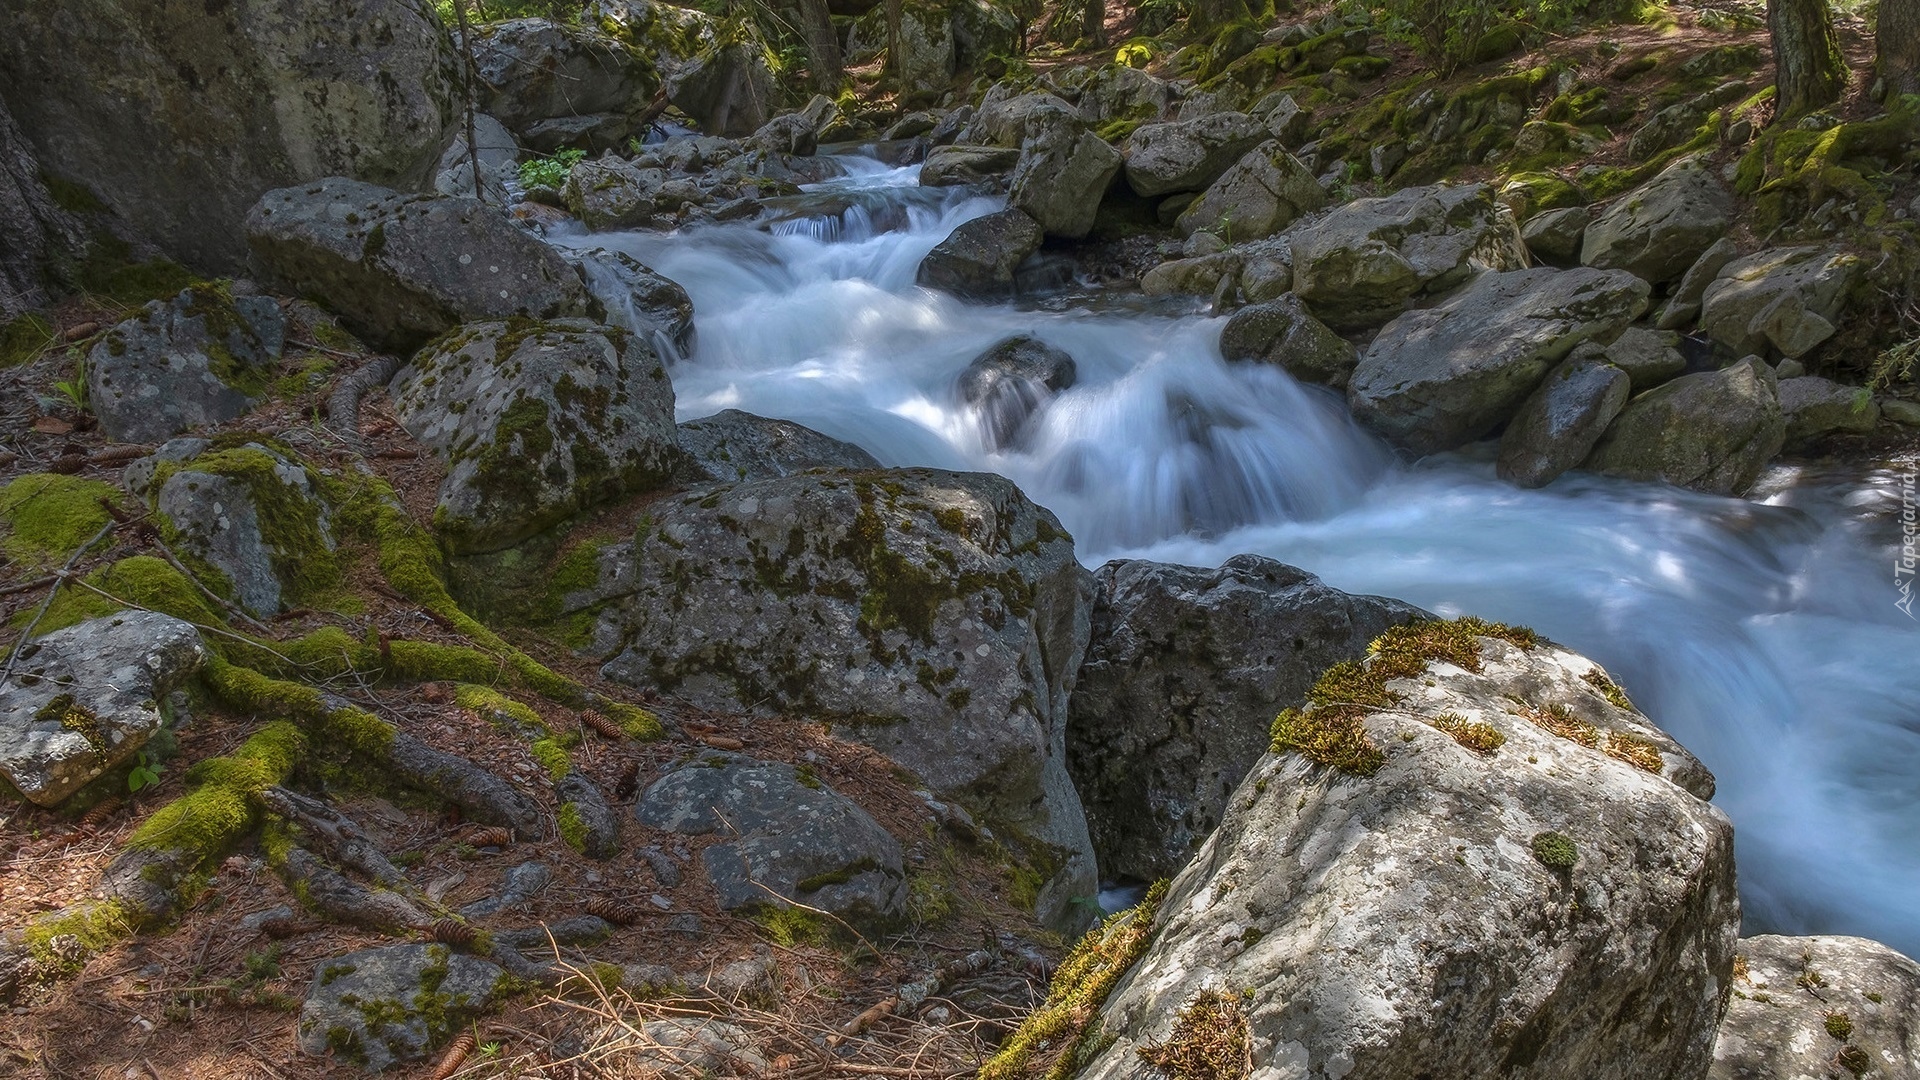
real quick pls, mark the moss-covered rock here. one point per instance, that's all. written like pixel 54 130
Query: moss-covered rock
pixel 203 358
pixel 394 1004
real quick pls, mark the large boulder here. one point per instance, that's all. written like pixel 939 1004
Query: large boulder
pixel 939 617
pixel 202 358
pixel 1658 229
pixel 178 117
pixel 1064 172
pixel 1188 155
pixel 714 71
pixel 1438 378
pixel 1265 191
pixel 979 257
pixel 1509 872
pixel 536 69
pixel 1783 301
pixel 1358 264
pixel 1712 430
pixel 953 166
pixel 1683 303
pixel 1554 235
pixel 255 516
pixel 731 446
pixel 399 269
pixel 1185 673
pixel 1649 357
pixel 1284 332
pixel 1010 383
pixel 613 193
pixel 1843 1008
pixel 35 232
pixel 87 698
pixel 926 50
pixel 534 422
pixel 1566 414
pixel 1006 117
pixel 1815 408
pixel 393 1004
pixel 789 838
pixel 639 300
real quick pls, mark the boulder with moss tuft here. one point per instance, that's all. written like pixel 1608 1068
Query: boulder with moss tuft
pixel 1813 1006
pixel 204 357
pixel 1657 230
pixel 394 1004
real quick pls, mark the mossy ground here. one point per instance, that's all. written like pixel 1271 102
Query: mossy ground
pixel 44 517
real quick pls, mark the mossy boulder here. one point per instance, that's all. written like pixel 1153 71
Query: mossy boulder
pixel 536 421
pixel 1781 301
pixel 1815 1006
pixel 531 70
pixel 394 1004
pixel 613 193
pixel 1063 174
pixel 84 699
pixel 1263 192
pixel 1712 430
pixel 202 358
pixel 256 518
pixel 719 71
pixel 1282 331
pixel 1334 905
pixel 1657 230
pixel 1188 155
pixel 936 616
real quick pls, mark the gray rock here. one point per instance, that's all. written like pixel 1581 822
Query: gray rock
pixel 1904 413
pixel 399 269
pixel 1815 408
pixel 612 193
pixel 1115 92
pixel 1712 431
pixel 594 133
pixel 936 616
pixel 1358 264
pixel 499 162
pixel 639 300
pixel 789 838
pixel 1678 123
pixel 954 166
pixel 979 257
pixel 788 134
pixel 1658 229
pixel 755 980
pixel 926 50
pixel 715 71
pixel 1284 332
pixel 521 884
pixel 255 516
pixel 1554 235
pixel 1648 357
pixel 666 869
pixel 587 823
pixel 1401 925
pixel 1010 383
pixel 536 69
pixel 84 699
pixel 202 358
pixel 1785 298
pixel 1286 120
pixel 690 1048
pixel 732 446
pixel 1684 303
pixel 1064 172
pixel 1185 673
pixel 1188 155
pixel 1823 1007
pixel 1009 118
pixel 1261 194
pixel 553 418
pixel 392 1005
pixel 1438 378
pixel 1569 411
pixel 34 229
pixel 236 99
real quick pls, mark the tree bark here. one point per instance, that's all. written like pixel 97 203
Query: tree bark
pixel 1808 72
pixel 1897 48
pixel 1210 15
pixel 1093 26
pixel 893 44
pixel 823 47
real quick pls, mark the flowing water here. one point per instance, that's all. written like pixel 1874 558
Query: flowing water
pixel 1762 633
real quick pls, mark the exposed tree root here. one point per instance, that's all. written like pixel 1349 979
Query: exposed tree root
pixel 337 835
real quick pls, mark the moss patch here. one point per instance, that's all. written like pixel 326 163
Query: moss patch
pixel 45 517
pixel 220 809
pixel 1555 850
pixel 1209 1041
pixel 1477 737
pixel 572 829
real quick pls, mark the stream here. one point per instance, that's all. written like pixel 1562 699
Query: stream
pixel 1761 632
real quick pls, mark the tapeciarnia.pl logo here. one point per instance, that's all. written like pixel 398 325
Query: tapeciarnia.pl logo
pixel 1908 562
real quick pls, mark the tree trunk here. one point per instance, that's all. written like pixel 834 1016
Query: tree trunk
pixel 1897 48
pixel 1093 26
pixel 1808 72
pixel 893 44
pixel 823 47
pixel 1210 15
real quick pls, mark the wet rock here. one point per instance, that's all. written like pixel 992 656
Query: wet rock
pixel 536 69
pixel 521 884
pixel 237 98
pixel 1658 229
pixel 979 257
pixel 1188 155
pixel 612 193
pixel 1064 172
pixel 1648 357
pixel 1358 264
pixel 200 359
pixel 1010 383
pixel 1820 1007
pixel 257 517
pixel 936 616
pixel 1554 235
pixel 499 162
pixel 1683 305
pixel 1262 193
pixel 399 269
pixel 954 166
pixel 1438 917
pixel 789 838
pixel 1562 419
pixel 1712 431
pixel 1284 332
pixel 1185 673
pixel 1786 300
pixel 640 300
pixel 554 417
pixel 1815 408
pixel 393 1005
pixel 789 134
pixel 84 699
pixel 1438 378
pixel 731 446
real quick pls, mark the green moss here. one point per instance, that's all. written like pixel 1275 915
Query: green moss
pixel 1608 689
pixel 1555 851
pixel 45 517
pixel 1480 738
pixel 1791 172
pixel 304 557
pixel 553 757
pixel 791 927
pixel 62 941
pixel 23 339
pixel 1334 736
pixel 1839 1025
pixel 572 829
pixel 499 710
pixel 145 580
pixel 1080 986
pixel 1640 753
pixel 639 724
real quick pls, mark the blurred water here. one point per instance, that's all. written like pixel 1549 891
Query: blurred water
pixel 1760 633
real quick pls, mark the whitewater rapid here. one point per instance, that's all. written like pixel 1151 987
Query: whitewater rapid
pixel 1762 633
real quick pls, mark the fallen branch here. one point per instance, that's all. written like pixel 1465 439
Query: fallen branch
pixel 340 899
pixel 343 840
